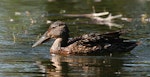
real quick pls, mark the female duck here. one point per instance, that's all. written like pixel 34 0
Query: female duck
pixel 86 44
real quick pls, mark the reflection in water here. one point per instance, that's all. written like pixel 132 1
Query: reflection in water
pixel 93 66
pixel 85 66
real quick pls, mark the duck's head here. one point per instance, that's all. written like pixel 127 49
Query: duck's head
pixel 57 29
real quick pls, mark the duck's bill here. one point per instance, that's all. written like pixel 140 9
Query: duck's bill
pixel 41 40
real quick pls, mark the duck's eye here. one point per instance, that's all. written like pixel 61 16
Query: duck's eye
pixel 61 24
pixel 52 27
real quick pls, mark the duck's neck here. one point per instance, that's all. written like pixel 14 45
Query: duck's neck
pixel 58 43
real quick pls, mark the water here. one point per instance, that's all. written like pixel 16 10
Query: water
pixel 22 22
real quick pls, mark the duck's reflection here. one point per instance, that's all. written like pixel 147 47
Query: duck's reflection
pixel 85 66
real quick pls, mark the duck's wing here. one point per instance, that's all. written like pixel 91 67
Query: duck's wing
pixel 96 43
pixel 90 43
pixel 84 44
pixel 112 42
pixel 72 40
pixel 111 34
pixel 109 37
pixel 112 37
pixel 92 37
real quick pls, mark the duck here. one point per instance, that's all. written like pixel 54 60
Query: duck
pixel 92 43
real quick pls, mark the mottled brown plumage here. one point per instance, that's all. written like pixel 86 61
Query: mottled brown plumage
pixel 92 43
